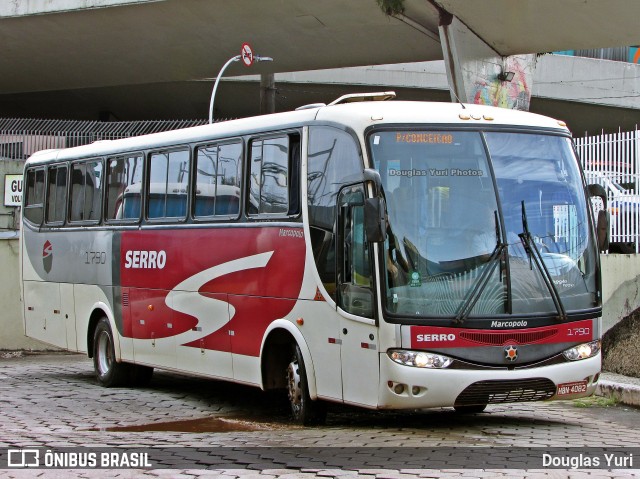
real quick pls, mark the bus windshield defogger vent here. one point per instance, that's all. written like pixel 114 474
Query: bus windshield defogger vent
pixel 500 338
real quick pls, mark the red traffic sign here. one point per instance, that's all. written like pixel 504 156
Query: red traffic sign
pixel 246 54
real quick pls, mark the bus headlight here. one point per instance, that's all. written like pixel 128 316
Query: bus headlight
pixel 582 351
pixel 419 359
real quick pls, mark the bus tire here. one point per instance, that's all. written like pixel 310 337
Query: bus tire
pixel 304 410
pixel 140 376
pixel 109 372
pixel 470 409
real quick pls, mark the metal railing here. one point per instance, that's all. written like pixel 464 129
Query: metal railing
pixel 613 160
pixel 20 138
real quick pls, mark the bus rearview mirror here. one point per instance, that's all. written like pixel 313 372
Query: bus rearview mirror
pixel 375 221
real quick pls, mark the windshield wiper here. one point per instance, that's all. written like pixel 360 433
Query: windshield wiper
pixel 483 280
pixel 534 253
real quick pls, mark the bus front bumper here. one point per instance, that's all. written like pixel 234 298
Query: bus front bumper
pixel 406 387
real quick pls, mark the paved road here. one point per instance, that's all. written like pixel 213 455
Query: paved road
pixel 54 401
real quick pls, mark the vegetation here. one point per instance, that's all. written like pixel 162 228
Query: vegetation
pixel 595 401
pixel 391 7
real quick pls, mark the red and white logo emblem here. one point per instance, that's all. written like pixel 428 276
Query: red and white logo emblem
pixel 47 256
pixel 511 353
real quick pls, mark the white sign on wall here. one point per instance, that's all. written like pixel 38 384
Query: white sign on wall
pixel 12 190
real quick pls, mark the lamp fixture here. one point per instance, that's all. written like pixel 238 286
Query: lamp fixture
pixel 506 76
pixel 247 58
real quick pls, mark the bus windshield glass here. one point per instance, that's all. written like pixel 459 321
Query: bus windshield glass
pixel 483 224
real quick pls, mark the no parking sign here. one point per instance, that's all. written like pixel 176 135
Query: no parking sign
pixel 247 54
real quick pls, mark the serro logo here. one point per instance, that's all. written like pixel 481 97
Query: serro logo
pixel 47 256
pixel 435 337
pixel 143 259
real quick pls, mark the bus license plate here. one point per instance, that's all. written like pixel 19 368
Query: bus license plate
pixel 572 388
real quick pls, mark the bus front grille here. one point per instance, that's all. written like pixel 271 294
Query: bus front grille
pixel 498 338
pixel 500 391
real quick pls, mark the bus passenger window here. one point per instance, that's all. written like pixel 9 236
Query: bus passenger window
pixel 56 194
pixel 218 174
pixel 168 185
pixel 34 197
pixel 269 181
pixel 124 182
pixel 86 191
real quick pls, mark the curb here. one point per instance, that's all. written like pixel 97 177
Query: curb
pixel 623 393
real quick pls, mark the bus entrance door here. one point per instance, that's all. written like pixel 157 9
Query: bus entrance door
pixel 356 302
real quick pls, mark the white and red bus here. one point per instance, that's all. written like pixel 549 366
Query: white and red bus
pixel 385 254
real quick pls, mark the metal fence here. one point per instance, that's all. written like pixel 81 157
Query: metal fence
pixel 613 161
pixel 20 138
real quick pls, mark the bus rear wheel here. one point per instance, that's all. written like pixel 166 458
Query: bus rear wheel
pixel 109 372
pixel 304 410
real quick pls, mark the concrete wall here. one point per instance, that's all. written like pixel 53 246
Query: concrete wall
pixel 11 329
pixel 620 287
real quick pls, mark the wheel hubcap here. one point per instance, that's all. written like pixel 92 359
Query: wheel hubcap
pixel 293 386
pixel 105 357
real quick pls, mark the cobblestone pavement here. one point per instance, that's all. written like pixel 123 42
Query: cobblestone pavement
pixel 54 401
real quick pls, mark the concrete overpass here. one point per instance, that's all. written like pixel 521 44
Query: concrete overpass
pixel 143 58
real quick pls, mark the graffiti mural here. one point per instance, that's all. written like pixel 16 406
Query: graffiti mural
pixel 515 94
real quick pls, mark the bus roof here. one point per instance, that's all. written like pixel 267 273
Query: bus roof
pixel 358 116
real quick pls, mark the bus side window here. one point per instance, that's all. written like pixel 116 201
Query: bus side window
pixel 168 185
pixel 34 197
pixel 86 191
pixel 269 176
pixel 333 159
pixel 218 175
pixel 124 182
pixel 56 194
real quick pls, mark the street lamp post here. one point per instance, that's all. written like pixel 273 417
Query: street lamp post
pixel 231 60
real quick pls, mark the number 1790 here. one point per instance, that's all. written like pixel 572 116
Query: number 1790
pixel 579 332
pixel 95 257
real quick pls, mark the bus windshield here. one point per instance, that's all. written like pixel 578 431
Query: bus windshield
pixel 483 224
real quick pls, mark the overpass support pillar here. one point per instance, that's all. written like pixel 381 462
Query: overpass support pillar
pixel 267 93
pixel 478 74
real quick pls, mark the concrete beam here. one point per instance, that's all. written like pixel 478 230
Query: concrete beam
pixel 166 41
pixel 588 80
pixel 39 7
pixel 537 26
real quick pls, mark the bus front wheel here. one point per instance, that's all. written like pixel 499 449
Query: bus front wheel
pixel 109 372
pixel 305 411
